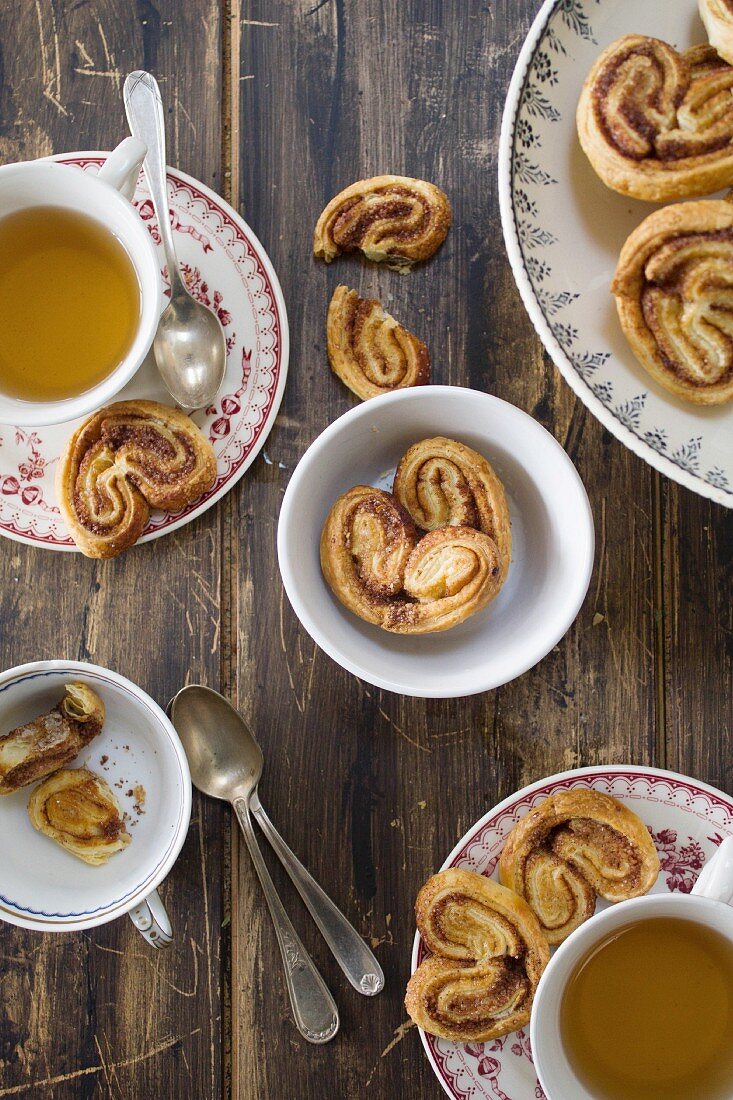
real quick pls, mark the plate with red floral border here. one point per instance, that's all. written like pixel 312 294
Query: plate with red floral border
pixel 687 820
pixel 226 268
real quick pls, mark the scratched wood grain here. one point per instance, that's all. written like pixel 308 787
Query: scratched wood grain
pixel 100 1014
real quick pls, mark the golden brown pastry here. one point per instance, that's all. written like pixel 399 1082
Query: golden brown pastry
pixel 440 482
pixel 48 742
pixel 77 809
pixel 655 123
pixel 674 294
pixel 488 954
pixel 369 351
pixel 391 219
pixel 571 847
pixel 717 15
pixel 124 460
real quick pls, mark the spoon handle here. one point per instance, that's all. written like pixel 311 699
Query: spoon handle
pixel 349 950
pixel 144 109
pixel 316 1015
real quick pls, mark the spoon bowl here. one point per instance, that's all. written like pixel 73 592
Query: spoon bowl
pixel 224 758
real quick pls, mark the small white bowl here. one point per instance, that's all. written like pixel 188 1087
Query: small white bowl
pixel 44 887
pixel 552 555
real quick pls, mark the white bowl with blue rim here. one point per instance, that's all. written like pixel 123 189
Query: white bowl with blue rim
pixel 138 753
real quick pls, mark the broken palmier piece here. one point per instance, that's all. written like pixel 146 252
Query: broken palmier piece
pixel 674 295
pixel 121 462
pixel 391 219
pixel 572 847
pixel 487 956
pixel 369 351
pixel 717 16
pixel 656 124
pixel 78 810
pixel 52 740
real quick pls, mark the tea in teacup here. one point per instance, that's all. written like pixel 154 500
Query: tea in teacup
pixel 69 302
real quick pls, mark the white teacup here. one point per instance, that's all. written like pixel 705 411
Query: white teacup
pixel 105 198
pixel 708 905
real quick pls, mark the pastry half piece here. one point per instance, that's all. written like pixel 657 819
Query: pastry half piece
pixel 368 350
pixel 52 740
pixel 487 956
pixel 657 124
pixel 121 462
pixel 572 847
pixel 78 810
pixel 391 219
pixel 717 16
pixel 674 295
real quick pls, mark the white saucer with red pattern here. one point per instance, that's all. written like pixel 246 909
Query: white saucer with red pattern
pixel 687 819
pixel 226 268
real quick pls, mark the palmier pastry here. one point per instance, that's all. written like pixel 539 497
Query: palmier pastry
pixel 440 482
pixel 48 742
pixel 717 15
pixel 488 954
pixel 674 295
pixel 657 124
pixel 369 351
pixel 376 568
pixel 571 847
pixel 391 219
pixel 124 460
pixel 77 809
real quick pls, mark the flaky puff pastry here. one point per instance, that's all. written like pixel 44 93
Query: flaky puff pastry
pixel 657 124
pixel 441 482
pixel 674 295
pixel 52 740
pixel 368 350
pixel 376 567
pixel 570 848
pixel 121 462
pixel 717 16
pixel 78 810
pixel 391 219
pixel 487 956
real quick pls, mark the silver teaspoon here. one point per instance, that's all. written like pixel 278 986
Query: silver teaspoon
pixel 226 765
pixel 189 346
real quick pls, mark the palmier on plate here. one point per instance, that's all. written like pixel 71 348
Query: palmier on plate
pixel 572 847
pixel 717 15
pixel 392 219
pixel 657 124
pixel 674 294
pixel 78 810
pixel 487 956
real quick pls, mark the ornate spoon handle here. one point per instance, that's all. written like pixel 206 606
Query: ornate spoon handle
pixel 316 1015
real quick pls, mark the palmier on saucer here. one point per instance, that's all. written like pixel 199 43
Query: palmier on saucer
pixel 674 295
pixel 717 15
pixel 572 847
pixel 487 956
pixel 78 810
pixel 657 124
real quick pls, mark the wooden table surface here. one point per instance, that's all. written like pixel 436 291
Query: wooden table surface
pixel 277 104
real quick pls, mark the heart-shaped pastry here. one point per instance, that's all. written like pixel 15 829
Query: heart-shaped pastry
pixel 77 809
pixel 658 124
pixel 717 15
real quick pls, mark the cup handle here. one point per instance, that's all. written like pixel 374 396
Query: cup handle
pixel 716 878
pixel 123 165
pixel 151 920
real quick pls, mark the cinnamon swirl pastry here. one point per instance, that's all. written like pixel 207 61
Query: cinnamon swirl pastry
pixel 48 742
pixel 392 219
pixel 488 954
pixel 78 810
pixel 657 124
pixel 369 351
pixel 717 15
pixel 124 460
pixel 674 294
pixel 571 847
pixel 440 482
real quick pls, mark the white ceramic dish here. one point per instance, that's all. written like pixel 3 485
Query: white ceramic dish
pixel 688 820
pixel 564 230
pixel 46 888
pixel 552 554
